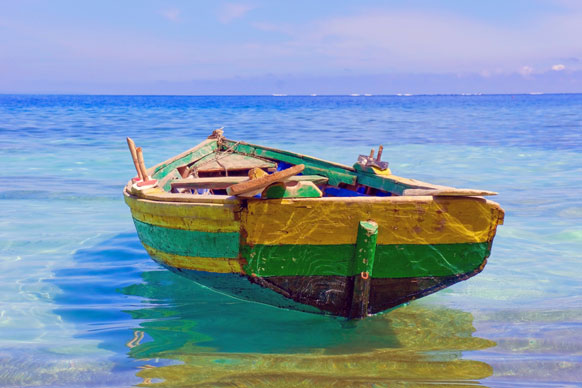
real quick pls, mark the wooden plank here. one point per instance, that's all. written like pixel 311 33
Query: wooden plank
pixel 230 162
pixel 391 261
pixel 197 263
pixel 188 242
pixel 448 192
pixel 364 264
pixel 208 183
pixel 260 183
pixel 403 220
pixel 334 177
pixel 224 182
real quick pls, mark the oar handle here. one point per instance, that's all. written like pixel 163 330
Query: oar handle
pixel 260 183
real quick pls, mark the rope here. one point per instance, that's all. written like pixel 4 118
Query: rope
pixel 217 156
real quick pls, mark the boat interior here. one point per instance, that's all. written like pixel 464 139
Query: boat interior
pixel 222 167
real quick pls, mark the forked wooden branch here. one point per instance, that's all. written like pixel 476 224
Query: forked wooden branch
pixel 133 151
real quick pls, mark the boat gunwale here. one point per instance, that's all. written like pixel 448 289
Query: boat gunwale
pixel 192 200
pixel 155 195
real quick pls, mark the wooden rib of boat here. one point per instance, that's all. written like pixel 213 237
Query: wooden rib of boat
pixel 302 233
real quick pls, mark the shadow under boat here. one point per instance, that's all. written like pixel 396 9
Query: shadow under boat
pixel 116 295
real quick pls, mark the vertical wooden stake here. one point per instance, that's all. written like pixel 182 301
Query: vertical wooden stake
pixel 379 157
pixel 363 266
pixel 141 163
pixel 131 146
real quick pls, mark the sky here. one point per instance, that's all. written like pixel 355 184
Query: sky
pixel 290 47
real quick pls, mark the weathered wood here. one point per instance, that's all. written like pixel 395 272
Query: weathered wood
pixel 379 157
pixel 133 152
pixel 334 177
pixel 404 220
pixel 187 157
pixel 221 182
pixel 257 173
pixel 261 183
pixel 364 265
pixel 141 163
pixel 291 190
pixel 303 252
pixel 224 181
pixel 448 192
pixel 230 162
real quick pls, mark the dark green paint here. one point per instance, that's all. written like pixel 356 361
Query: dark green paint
pixel 188 242
pixel 363 263
pixel 365 247
pixel 279 190
pixel 391 261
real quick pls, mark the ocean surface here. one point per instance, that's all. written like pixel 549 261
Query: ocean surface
pixel 82 304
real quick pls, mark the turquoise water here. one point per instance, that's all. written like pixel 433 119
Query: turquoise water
pixel 81 304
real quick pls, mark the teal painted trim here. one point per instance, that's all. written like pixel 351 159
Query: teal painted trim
pixel 382 183
pixel 163 169
pixel 188 242
pixel 391 261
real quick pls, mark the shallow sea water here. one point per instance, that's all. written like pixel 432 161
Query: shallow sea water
pixel 81 303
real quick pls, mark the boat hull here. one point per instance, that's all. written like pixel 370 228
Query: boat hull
pixel 299 253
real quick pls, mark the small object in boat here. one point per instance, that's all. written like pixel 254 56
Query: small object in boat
pixel 257 173
pixel 366 162
pixel 290 189
pixel 143 181
pixel 365 241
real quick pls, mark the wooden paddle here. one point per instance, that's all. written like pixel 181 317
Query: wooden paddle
pixel 261 183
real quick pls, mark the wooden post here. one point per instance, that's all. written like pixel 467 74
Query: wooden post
pixel 363 265
pixel 133 151
pixel 141 163
pixel 379 157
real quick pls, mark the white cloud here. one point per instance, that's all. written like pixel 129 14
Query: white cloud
pixel 558 67
pixel 171 14
pixel 526 70
pixel 232 11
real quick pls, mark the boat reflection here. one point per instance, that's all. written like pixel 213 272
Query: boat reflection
pixel 178 333
pixel 218 341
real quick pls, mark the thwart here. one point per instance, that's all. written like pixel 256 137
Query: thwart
pixel 297 232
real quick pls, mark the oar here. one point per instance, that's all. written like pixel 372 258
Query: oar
pixel 261 183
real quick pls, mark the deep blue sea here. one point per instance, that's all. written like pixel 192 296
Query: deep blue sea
pixel 82 305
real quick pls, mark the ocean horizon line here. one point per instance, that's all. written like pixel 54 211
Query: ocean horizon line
pixel 279 95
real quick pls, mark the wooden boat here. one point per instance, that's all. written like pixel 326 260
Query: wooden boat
pixel 302 233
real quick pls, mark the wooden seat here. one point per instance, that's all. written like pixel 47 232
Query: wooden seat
pixel 221 183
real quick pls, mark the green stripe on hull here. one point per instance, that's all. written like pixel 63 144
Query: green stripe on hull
pixel 391 261
pixel 188 242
